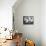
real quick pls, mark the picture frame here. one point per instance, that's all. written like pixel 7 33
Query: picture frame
pixel 28 19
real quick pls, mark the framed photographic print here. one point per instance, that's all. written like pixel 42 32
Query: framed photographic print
pixel 28 19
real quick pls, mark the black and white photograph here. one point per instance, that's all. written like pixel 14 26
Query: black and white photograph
pixel 28 19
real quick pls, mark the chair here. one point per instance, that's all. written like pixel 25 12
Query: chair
pixel 29 43
pixel 18 39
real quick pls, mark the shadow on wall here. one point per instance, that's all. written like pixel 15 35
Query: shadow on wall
pixel 28 8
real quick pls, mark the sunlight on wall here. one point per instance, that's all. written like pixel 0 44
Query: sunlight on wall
pixel 6 13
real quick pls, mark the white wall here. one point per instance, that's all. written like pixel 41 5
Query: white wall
pixel 6 13
pixel 43 22
pixel 29 8
pixel 40 20
pixel 6 17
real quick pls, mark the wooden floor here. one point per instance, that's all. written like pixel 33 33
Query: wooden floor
pixel 9 43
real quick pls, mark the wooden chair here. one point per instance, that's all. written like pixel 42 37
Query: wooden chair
pixel 29 43
pixel 18 39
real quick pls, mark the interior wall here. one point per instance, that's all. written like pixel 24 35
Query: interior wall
pixel 43 22
pixel 29 8
pixel 6 13
pixel 6 19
